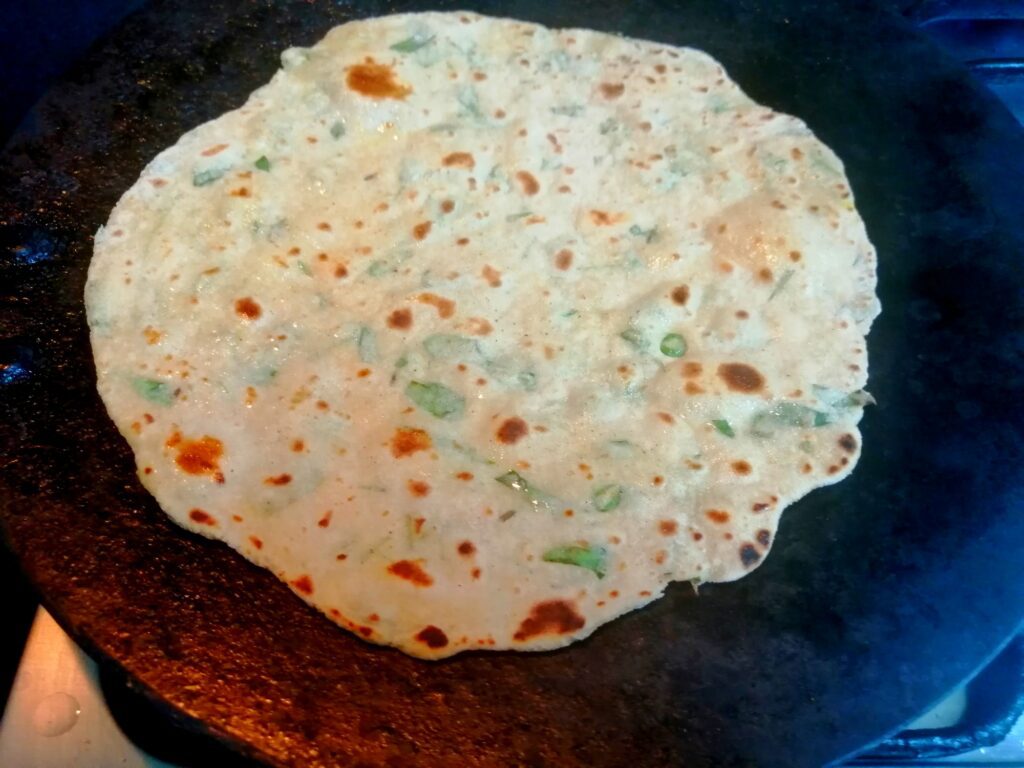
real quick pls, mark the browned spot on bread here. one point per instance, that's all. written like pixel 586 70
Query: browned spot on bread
pixel 527 182
pixel 512 430
pixel 198 457
pixel 421 230
pixel 464 476
pixel 741 467
pixel 749 555
pixel 563 259
pixel 476 575
pixel 605 219
pixel 240 192
pixel 742 314
pixel 692 388
pixel 719 516
pixel 447 206
pixel 303 584
pixel 445 307
pixel 298 445
pixel 795 256
pixel 411 571
pixel 667 527
pixel 764 537
pixel 406 441
pixel 376 81
pixel 668 418
pixel 418 488
pixel 466 548
pixel 216 149
pixel 491 275
pixel 551 617
pixel 764 275
pixel 478 326
pixel 400 319
pixel 692 370
pixel 152 335
pixel 256 542
pixel 325 521
pixel 432 637
pixel 696 535
pixel 282 479
pixel 612 90
pixel 247 308
pixel 681 294
pixel 848 443
pixel 459 160
pixel 202 517
pixel 795 153
pixel 740 377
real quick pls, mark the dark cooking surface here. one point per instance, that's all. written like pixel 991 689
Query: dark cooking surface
pixel 880 594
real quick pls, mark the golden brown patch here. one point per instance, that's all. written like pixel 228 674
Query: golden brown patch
pixel 400 319
pixel 563 259
pixel 240 192
pixel 152 335
pixel 432 637
pixel 612 90
pixel 459 160
pixel 741 467
pixel 466 548
pixel 411 571
pixel 464 476
pixel 795 256
pixel 198 457
pixel 551 617
pixel 256 542
pixel 377 81
pixel 693 388
pixel 491 275
pixel 512 430
pixel 418 488
pixel 298 445
pixel 325 521
pixel 719 516
pixel 202 517
pixel 691 370
pixel 605 219
pixel 478 326
pixel 406 441
pixel 421 230
pixel 668 527
pixel 764 275
pixel 445 307
pixel 447 206
pixel 527 183
pixel 283 479
pixel 216 149
pixel 341 271
pixel 666 417
pixel 247 308
pixel 681 294
pixel 740 377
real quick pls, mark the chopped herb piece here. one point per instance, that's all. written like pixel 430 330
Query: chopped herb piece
pixel 724 427
pixel 647 234
pixel 527 380
pixel 338 130
pixel 569 110
pixel 635 339
pixel 210 175
pixel 507 515
pixel 786 277
pixel 154 391
pixel 517 482
pixel 609 125
pixel 673 345
pixel 470 101
pixel 367 345
pixel 262 163
pixel 412 44
pixel 786 414
pixel 436 399
pixel 592 558
pixel 520 215
pixel 304 268
pixel 450 345
pixel 571 313
pixel 607 497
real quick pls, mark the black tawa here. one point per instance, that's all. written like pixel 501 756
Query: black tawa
pixel 880 594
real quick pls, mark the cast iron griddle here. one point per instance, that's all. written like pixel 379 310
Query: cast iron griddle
pixel 881 593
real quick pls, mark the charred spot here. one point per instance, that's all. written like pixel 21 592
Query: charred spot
pixel 759 506
pixel 551 617
pixel 202 517
pixel 512 430
pixel 411 571
pixel 377 81
pixel 466 548
pixel 749 555
pixel 247 308
pixel 400 319
pixel 764 537
pixel 848 443
pixel 432 637
pixel 406 441
pixel 741 377
pixel 681 294
pixel 303 584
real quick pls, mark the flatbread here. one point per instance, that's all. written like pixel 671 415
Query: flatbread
pixel 479 334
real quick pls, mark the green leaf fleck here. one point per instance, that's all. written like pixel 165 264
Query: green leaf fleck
pixel 635 339
pixel 412 44
pixel 724 427
pixel 262 163
pixel 647 234
pixel 366 343
pixel 436 399
pixel 607 497
pixel 594 559
pixel 520 215
pixel 210 175
pixel 568 110
pixel 337 130
pixel 779 286
pixel 450 345
pixel 154 391
pixel 673 345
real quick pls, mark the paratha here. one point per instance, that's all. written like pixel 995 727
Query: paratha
pixel 478 334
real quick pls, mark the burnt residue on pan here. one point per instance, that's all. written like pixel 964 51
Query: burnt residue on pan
pixel 878 595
